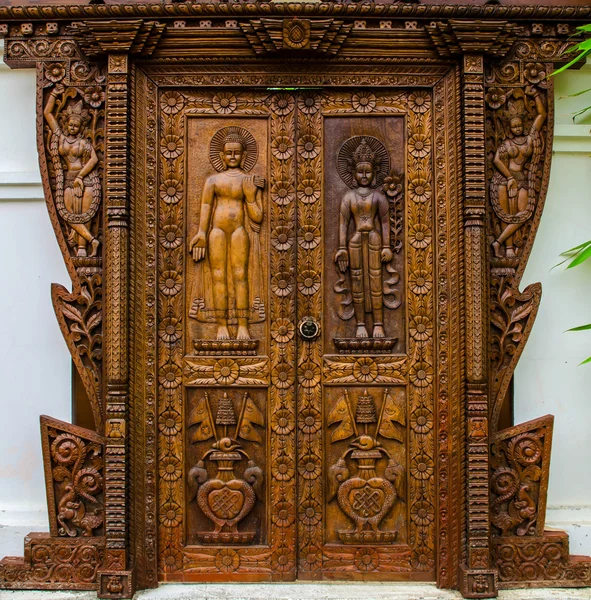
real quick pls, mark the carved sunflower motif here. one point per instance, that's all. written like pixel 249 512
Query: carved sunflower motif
pixel 55 72
pixel 419 282
pixel 226 371
pixel 423 560
pixel 282 330
pixel 419 145
pixel 170 468
pixel 282 193
pixel 309 421
pixel 421 467
pixel 419 236
pixel 392 186
pixel 282 469
pixel 283 560
pixel 309 282
pixel 283 514
pixel 308 191
pixel 420 328
pixel 282 147
pixel 171 514
pixel 224 103
pixel 171 146
pixel 94 96
pixel 170 376
pixel 422 513
pixel 282 422
pixel 363 102
pixel 365 370
pixel 312 559
pixel 421 421
pixel 170 283
pixel 282 238
pixel 282 375
pixel 282 284
pixel 418 102
pixel 282 104
pixel 495 98
pixel 308 146
pixel 172 102
pixel 309 237
pixel 309 103
pixel 227 560
pixel 172 559
pixel 534 72
pixel 169 422
pixel 310 512
pixel 421 374
pixel 309 468
pixel 420 190
pixel 170 330
pixel 367 559
pixel 309 375
pixel 171 237
pixel 171 191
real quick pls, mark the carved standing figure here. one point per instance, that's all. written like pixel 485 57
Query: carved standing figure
pixel 363 252
pixel 512 189
pixel 78 189
pixel 231 205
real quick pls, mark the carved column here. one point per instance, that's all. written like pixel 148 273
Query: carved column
pixel 116 580
pixel 477 580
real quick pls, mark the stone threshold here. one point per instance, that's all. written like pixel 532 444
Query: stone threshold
pixel 303 591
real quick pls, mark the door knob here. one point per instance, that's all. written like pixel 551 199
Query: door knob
pixel 309 328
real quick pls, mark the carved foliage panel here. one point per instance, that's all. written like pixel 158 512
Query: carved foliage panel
pixel 71 114
pixel 219 418
pixel 410 405
pixel 518 144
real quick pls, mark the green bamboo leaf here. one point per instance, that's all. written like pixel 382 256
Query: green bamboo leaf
pixel 580 258
pixel 571 63
pixel 580 328
pixel 587 360
pixel 576 248
pixel 584 27
pixel 581 112
pixel 575 94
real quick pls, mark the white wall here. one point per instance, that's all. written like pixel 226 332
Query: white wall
pixel 548 378
pixel 35 365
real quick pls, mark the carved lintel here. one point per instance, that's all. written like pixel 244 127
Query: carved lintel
pixel 202 370
pixel 491 37
pixel 96 38
pixel 365 370
pixel 270 35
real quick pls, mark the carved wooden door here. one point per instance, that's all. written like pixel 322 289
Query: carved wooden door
pixel 295 314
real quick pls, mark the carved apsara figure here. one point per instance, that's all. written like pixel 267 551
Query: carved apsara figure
pixel 77 184
pixel 363 252
pixel 512 189
pixel 228 239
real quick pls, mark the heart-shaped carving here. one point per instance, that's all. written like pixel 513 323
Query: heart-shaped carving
pixel 226 503
pixel 366 501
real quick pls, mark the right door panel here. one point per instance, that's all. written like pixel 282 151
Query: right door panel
pixel 366 449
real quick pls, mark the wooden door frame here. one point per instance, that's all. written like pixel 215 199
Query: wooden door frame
pixel 494 56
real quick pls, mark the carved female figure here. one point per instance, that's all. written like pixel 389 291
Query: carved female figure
pixel 512 190
pixel 363 252
pixel 78 190
pixel 229 199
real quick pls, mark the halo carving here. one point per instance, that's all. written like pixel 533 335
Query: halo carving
pixel 346 161
pixel 216 146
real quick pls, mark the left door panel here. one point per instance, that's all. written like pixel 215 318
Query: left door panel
pixel 226 355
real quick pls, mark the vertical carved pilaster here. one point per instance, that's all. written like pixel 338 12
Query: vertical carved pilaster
pixel 115 581
pixel 477 580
